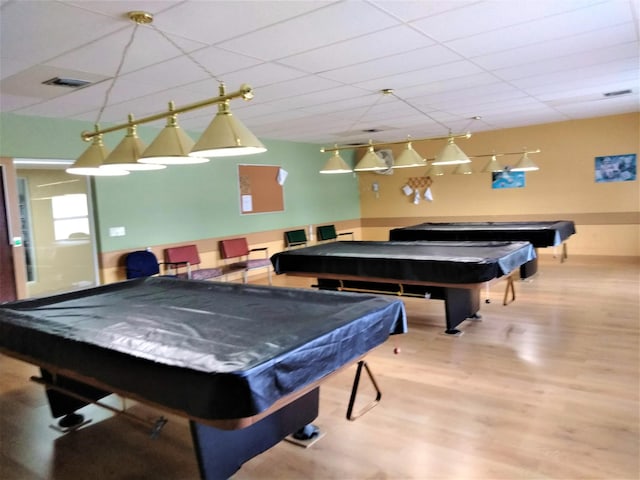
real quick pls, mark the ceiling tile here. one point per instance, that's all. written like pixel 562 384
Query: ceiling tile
pixel 327 25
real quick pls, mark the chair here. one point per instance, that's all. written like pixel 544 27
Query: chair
pixel 141 263
pixel 295 238
pixel 328 232
pixel 238 248
pixel 187 256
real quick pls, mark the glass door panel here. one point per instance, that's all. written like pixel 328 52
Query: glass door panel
pixel 57 230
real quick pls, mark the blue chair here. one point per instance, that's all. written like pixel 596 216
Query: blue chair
pixel 141 263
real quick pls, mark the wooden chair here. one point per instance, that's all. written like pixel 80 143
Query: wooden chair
pixel 187 257
pixel 295 238
pixel 237 251
pixel 328 232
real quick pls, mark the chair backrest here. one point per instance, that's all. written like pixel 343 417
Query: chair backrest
pixel 234 247
pixel 182 253
pixel 141 263
pixel 295 237
pixel 327 232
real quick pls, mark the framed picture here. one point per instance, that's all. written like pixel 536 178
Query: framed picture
pixel 615 168
pixel 507 179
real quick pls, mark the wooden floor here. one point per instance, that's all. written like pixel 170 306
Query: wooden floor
pixel 544 388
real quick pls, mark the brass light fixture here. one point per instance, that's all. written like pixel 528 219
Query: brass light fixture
pixel 172 146
pixel 435 170
pixel 463 169
pixel 225 136
pixel 451 154
pixel 336 164
pixel 525 164
pixel 409 158
pixel 93 157
pixel 493 165
pixel 370 162
pixel 125 156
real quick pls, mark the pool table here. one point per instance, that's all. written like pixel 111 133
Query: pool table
pixel 242 363
pixel 449 271
pixel 540 234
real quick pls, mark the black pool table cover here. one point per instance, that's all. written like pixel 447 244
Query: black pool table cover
pixel 540 234
pixel 435 262
pixel 209 350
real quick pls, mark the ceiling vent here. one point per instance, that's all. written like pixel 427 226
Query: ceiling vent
pixel 66 82
pixel 617 93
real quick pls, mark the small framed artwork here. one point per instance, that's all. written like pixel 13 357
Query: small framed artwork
pixel 507 179
pixel 615 168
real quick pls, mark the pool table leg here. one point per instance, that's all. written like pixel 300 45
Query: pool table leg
pixel 221 453
pixel 460 304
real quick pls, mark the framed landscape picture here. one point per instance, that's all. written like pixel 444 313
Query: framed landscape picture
pixel 507 179
pixel 615 168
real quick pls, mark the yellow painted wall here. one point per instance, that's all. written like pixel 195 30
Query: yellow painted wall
pixel 607 215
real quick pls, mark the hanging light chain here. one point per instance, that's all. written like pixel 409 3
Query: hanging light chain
pixel 418 110
pixel 107 94
pixel 186 54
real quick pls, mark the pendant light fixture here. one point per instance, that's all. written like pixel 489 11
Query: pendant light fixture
pixel 336 164
pixel 225 136
pixel 90 161
pixel 125 156
pixel 172 146
pixel 451 154
pixel 409 158
pixel 525 164
pixel 370 162
pixel 493 166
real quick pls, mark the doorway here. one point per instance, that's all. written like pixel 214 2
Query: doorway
pixel 57 230
pixel 7 273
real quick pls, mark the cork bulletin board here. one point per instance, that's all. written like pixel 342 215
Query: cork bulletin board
pixel 259 189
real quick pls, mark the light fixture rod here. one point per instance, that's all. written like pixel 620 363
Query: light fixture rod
pixel 245 91
pixel 521 152
pixel 399 142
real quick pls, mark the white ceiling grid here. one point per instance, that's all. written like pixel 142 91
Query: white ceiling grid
pixel 317 67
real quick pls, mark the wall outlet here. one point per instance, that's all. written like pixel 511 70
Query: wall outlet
pixel 117 232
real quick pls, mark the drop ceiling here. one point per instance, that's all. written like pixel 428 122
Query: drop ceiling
pixel 318 67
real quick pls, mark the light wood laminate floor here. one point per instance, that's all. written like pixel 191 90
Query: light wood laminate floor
pixel 544 388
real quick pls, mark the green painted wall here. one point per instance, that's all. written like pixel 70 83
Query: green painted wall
pixel 189 202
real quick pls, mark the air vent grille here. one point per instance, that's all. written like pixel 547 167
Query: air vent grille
pixel 66 82
pixel 616 93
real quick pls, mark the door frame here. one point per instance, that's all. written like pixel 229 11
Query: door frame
pixel 13 224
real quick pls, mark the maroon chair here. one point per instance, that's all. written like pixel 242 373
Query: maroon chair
pixel 187 257
pixel 237 253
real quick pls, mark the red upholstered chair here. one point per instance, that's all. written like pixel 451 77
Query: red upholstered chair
pixel 237 252
pixel 187 257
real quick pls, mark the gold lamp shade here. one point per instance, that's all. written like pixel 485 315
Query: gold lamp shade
pixel 463 169
pixel 370 162
pixel 226 136
pixel 451 154
pixel 435 170
pixel 89 162
pixel 336 164
pixel 172 146
pixel 409 158
pixel 493 166
pixel 525 164
pixel 125 156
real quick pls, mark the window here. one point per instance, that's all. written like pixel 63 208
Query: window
pixel 70 216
